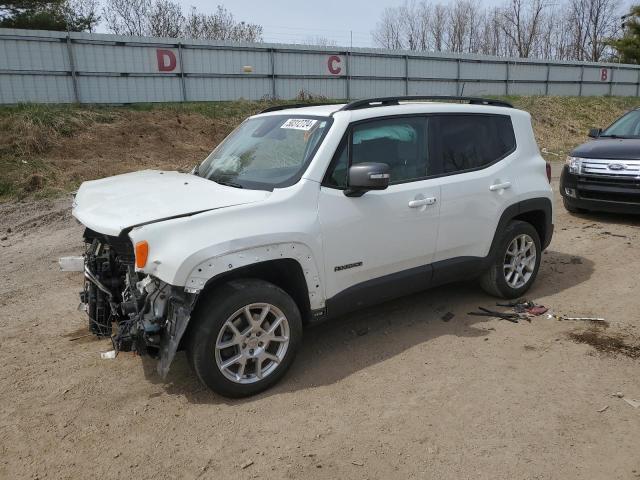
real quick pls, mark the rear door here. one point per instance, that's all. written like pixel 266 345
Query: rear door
pixel 475 155
pixel 387 232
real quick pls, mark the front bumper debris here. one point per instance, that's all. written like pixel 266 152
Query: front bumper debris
pixel 139 314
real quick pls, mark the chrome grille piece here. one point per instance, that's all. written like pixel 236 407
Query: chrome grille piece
pixel 611 168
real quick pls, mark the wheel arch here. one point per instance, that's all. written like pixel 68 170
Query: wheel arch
pixel 536 211
pixel 285 273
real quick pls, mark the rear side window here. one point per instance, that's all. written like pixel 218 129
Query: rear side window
pixel 472 141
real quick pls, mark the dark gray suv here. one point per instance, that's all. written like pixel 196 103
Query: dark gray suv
pixel 604 173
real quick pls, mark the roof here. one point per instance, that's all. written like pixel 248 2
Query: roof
pixel 412 107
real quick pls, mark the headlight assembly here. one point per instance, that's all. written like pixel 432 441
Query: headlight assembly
pixel 574 163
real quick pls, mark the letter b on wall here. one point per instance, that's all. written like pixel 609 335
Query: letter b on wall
pixel 166 60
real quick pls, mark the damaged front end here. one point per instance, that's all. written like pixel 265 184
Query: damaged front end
pixel 150 316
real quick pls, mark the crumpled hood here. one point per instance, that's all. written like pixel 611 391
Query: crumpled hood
pixel 609 148
pixel 112 204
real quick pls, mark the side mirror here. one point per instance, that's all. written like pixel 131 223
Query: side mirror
pixel 595 132
pixel 367 176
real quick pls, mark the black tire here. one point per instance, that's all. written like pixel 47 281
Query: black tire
pixel 570 208
pixel 209 318
pixel 493 280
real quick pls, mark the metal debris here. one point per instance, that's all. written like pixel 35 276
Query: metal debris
pixel 71 264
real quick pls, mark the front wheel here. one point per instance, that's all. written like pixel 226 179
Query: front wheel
pixel 244 337
pixel 516 263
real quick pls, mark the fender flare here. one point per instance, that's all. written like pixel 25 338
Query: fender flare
pixel 213 267
pixel 542 204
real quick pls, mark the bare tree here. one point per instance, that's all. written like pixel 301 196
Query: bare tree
pixel 166 19
pixel 388 31
pixel 458 26
pixel 521 25
pixel 87 9
pixel 438 25
pixel 602 25
pixel 127 17
pixel 220 26
pixel 569 30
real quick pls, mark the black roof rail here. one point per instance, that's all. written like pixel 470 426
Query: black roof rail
pixel 275 108
pixel 385 101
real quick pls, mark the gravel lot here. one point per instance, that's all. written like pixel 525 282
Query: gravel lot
pixel 390 392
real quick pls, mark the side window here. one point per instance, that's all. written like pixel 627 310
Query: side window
pixel 398 142
pixel 468 142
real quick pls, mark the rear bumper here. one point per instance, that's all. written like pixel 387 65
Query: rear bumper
pixel 603 194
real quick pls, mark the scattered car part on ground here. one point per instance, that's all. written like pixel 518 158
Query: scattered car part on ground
pixel 303 214
pixel 521 310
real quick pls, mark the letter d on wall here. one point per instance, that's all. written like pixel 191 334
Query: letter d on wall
pixel 166 60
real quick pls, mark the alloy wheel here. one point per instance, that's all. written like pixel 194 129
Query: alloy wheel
pixel 519 261
pixel 252 343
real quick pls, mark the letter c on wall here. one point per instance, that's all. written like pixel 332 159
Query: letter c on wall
pixel 166 60
pixel 334 65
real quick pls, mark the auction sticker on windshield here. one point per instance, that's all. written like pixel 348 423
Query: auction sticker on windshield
pixel 299 123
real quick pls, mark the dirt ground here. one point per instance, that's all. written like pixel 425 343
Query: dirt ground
pixel 390 392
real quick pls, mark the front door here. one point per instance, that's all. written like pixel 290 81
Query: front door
pixel 383 240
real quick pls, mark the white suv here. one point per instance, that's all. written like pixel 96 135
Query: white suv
pixel 305 213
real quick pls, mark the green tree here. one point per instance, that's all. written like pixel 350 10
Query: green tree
pixel 61 15
pixel 628 46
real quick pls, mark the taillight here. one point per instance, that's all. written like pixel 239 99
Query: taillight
pixel 142 253
pixel 549 172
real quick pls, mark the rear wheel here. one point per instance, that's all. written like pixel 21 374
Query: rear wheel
pixel 516 264
pixel 244 337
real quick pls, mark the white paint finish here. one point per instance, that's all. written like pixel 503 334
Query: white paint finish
pixel 470 210
pixel 288 216
pixel 318 227
pixel 379 229
pixel 112 204
pixel 298 252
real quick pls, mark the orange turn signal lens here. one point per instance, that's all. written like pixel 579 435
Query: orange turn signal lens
pixel 142 253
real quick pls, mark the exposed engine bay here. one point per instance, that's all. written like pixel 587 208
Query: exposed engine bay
pixel 149 316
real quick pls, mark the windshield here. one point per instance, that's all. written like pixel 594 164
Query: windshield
pixel 266 152
pixel 627 126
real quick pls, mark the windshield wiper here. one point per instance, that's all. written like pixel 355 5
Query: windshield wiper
pixel 228 183
pixel 617 136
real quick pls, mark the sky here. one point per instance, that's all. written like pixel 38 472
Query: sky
pixel 290 21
